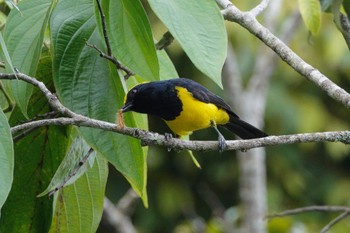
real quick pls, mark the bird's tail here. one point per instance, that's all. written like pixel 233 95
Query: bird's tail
pixel 243 129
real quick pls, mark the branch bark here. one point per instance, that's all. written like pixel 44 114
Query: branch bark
pixel 248 21
pixel 116 218
pixel 344 209
pixel 150 138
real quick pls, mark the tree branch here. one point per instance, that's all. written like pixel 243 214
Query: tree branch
pixel 150 138
pixel 259 8
pixel 345 28
pixel 344 209
pixel 109 56
pixel 248 21
pixel 165 41
pixel 327 208
pixel 116 218
pixel 334 221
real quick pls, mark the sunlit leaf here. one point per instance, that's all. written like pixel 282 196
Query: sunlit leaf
pixel 311 13
pixel 199 27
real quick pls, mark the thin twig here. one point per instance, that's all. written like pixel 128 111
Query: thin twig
pixel 48 115
pixel 166 40
pixel 109 56
pixel 24 133
pixel 259 8
pixel 326 208
pixel 128 72
pixel 72 173
pixel 104 28
pixel 334 221
pixel 345 28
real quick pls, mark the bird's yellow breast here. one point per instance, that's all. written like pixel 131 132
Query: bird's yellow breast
pixel 195 114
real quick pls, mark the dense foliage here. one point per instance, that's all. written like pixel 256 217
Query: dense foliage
pixel 53 42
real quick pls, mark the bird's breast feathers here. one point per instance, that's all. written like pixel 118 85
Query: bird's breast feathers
pixel 195 114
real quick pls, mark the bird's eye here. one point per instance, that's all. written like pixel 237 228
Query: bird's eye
pixel 132 92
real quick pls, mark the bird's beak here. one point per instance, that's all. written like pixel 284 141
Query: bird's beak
pixel 127 107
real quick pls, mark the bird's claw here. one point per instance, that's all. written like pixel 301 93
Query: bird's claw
pixel 222 143
pixel 168 136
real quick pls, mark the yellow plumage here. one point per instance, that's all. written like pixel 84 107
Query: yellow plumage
pixel 195 114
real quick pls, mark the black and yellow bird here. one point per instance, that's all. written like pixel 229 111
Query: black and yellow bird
pixel 186 106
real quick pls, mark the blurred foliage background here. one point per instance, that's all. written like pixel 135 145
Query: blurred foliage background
pixel 183 198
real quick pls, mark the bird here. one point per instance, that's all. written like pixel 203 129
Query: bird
pixel 187 106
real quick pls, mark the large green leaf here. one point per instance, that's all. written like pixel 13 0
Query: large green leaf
pixel 199 28
pixel 311 13
pixel 166 67
pixel 37 157
pixel 89 85
pixel 6 159
pixel 24 34
pixel 70 169
pixel 130 36
pixel 79 206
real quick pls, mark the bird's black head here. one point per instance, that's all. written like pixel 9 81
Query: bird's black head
pixel 133 99
pixel 156 98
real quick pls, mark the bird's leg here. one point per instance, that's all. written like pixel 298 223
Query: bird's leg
pixel 221 139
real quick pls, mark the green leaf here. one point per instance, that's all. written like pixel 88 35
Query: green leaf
pixel 130 36
pixel 6 54
pixel 310 11
pixel 6 159
pixel 11 4
pixel 79 206
pixel 346 5
pixel 199 28
pixel 325 5
pixel 166 67
pixel 37 157
pixel 89 85
pixel 24 35
pixel 70 170
pixel 336 5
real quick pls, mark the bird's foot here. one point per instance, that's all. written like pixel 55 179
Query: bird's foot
pixel 168 136
pixel 221 139
pixel 222 143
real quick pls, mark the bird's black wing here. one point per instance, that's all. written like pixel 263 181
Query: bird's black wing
pixel 203 94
